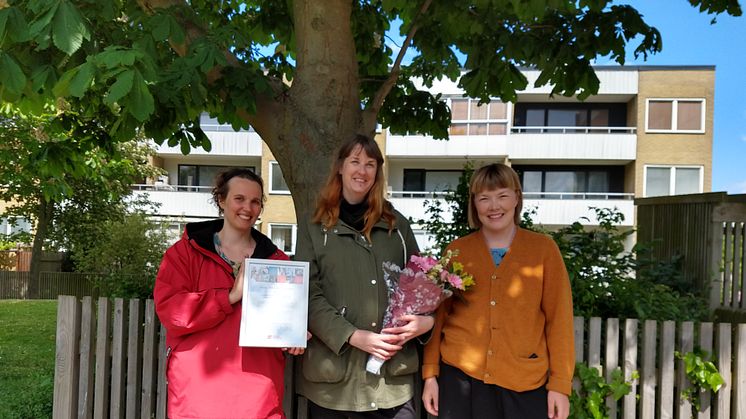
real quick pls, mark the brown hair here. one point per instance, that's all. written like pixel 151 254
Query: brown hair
pixel 327 205
pixel 220 190
pixel 490 177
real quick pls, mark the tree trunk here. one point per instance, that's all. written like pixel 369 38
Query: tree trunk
pixel 43 215
pixel 322 107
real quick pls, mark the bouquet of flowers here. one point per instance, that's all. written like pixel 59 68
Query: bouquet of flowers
pixel 419 288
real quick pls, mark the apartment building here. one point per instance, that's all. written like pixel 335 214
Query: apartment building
pixel 648 132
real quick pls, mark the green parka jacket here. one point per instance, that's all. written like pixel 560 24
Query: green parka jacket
pixel 347 292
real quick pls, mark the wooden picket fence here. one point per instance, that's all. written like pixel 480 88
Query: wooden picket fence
pixel 110 362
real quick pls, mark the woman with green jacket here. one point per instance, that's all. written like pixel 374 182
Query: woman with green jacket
pixel 353 232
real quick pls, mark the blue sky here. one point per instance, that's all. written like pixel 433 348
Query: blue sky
pixel 690 39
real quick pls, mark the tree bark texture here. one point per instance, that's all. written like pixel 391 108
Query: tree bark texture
pixel 43 215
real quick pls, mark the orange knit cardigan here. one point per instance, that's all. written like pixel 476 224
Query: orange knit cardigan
pixel 514 328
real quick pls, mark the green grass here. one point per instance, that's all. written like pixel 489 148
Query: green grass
pixel 27 352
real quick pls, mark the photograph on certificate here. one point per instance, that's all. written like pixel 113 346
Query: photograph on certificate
pixel 275 304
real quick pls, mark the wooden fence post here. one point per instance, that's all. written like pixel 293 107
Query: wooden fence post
pixel 65 400
pixel 629 403
pixel 85 387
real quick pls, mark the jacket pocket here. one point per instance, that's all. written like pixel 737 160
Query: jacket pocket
pixel 404 362
pixel 321 365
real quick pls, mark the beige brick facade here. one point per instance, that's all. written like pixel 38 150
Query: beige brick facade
pixel 674 148
pixel 279 208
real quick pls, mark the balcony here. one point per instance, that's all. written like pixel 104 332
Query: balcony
pixel 552 208
pixel 456 146
pixel 179 201
pixel 224 143
pixel 579 143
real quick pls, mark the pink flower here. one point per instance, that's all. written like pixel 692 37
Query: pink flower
pixel 424 263
pixel 456 281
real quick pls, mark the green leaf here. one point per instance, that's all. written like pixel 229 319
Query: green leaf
pixel 82 81
pixel 161 26
pixel 13 78
pixel 185 147
pixel 68 28
pixel 121 87
pixel 40 76
pixel 140 100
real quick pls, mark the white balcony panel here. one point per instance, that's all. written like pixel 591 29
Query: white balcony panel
pixel 567 211
pixel 573 146
pixel 223 144
pixel 456 146
pixel 614 81
pixel 182 204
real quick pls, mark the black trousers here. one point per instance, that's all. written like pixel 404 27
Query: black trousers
pixel 404 411
pixel 462 397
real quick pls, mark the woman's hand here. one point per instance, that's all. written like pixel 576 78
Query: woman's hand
pixel 430 395
pixel 558 405
pixel 298 351
pixel 415 326
pixel 236 292
pixel 377 344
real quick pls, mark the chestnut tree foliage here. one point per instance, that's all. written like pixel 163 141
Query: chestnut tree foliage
pixel 153 66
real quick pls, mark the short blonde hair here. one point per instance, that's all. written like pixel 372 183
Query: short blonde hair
pixel 490 177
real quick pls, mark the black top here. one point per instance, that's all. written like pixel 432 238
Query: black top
pixel 353 214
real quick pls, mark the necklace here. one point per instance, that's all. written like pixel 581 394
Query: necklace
pixel 235 266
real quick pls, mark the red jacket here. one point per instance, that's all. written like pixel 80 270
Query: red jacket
pixel 209 375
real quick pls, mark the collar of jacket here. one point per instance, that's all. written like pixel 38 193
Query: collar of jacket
pixel 201 234
pixel 343 228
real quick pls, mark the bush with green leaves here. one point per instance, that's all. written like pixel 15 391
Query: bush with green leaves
pixel 127 256
pixel 607 280
pixel 702 374
pixel 590 401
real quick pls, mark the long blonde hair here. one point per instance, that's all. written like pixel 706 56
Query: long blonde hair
pixel 327 205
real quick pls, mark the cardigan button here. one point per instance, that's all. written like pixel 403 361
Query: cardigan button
pixel 492 303
pixel 489 352
pixel 372 404
pixel 494 276
pixel 373 281
pixel 373 324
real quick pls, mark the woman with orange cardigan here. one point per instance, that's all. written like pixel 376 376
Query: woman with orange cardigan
pixel 504 350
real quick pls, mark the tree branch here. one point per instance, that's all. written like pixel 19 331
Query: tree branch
pixel 371 112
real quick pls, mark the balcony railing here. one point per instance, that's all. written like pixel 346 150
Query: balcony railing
pixel 164 187
pixel 550 208
pixel 578 195
pixel 573 130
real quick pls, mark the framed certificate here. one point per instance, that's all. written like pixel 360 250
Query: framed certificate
pixel 275 304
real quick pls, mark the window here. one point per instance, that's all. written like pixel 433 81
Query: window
pixel 564 115
pixel 209 124
pixel 276 180
pixel 421 180
pixel 10 226
pixel 675 115
pixel 200 177
pixel 283 236
pixel 571 182
pixel 672 180
pixel 470 118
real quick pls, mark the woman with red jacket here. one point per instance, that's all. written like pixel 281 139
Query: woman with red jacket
pixel 198 294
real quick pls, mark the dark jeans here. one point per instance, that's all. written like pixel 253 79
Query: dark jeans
pixel 462 397
pixel 404 411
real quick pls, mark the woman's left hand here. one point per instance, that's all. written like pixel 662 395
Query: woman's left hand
pixel 558 405
pixel 298 351
pixel 415 326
